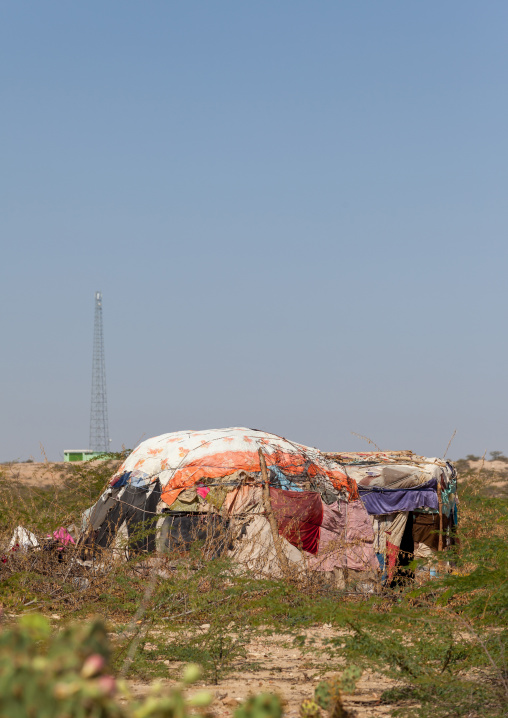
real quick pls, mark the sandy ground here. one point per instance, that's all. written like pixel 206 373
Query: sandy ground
pixel 53 470
pixel 45 473
pixel 488 465
pixel 496 483
pixel 36 474
pixel 282 668
pixel 288 672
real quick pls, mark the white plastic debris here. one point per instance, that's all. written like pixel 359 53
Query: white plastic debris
pixel 23 538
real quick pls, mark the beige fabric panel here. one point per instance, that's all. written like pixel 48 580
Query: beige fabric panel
pixel 255 550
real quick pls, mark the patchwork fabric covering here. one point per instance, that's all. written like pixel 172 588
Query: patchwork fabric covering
pixel 211 480
pixel 130 507
pixel 184 458
pixel 402 492
pixel 333 512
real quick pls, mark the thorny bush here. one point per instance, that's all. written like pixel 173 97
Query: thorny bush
pixel 444 643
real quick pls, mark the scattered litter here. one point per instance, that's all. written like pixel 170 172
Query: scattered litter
pixel 81 582
pixel 23 539
pixel 62 536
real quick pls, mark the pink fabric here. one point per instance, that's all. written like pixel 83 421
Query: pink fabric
pixel 359 523
pixel 347 539
pixel 202 491
pixel 63 536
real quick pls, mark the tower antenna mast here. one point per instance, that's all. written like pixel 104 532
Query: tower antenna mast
pixel 99 430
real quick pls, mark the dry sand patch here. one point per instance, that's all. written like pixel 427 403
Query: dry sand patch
pixel 286 671
pixel 45 474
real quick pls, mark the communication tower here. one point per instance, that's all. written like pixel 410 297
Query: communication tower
pixel 99 431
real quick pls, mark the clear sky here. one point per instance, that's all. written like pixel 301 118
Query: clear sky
pixel 297 213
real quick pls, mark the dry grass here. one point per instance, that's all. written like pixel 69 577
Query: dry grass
pixel 168 609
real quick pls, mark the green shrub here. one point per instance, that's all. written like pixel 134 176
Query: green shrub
pixel 43 676
pixel 261 706
pixel 68 675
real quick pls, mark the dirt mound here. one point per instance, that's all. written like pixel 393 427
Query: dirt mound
pixel 493 475
pixel 45 473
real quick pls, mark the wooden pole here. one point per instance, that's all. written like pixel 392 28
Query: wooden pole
pixel 440 504
pixel 440 541
pixel 282 558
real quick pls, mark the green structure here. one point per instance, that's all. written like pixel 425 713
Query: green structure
pixel 83 455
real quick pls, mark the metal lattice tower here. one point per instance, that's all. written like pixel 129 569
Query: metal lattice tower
pixel 99 431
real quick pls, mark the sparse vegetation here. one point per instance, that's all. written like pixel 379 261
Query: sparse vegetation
pixel 498 456
pixel 442 645
pixel 68 674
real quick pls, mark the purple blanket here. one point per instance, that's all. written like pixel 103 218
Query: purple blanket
pixel 379 500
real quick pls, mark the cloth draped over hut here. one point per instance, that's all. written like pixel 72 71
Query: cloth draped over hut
pixel 412 502
pixel 203 481
pixel 334 512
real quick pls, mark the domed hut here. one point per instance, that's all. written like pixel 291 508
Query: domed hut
pixel 272 504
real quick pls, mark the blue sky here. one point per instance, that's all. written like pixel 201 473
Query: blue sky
pixel 296 213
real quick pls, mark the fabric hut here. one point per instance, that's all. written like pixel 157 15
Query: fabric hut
pixel 412 502
pixel 197 484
